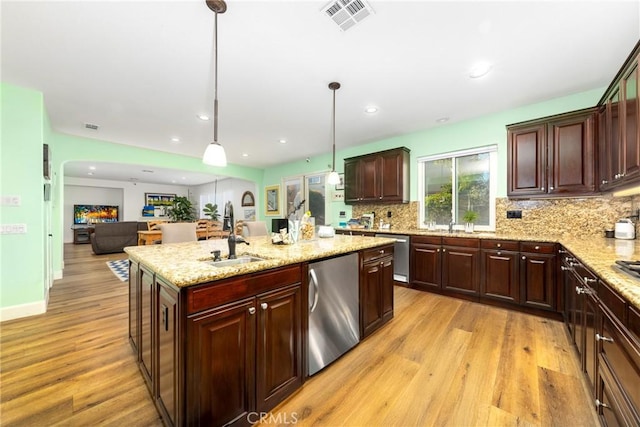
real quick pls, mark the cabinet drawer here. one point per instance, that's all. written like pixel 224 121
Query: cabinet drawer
pixel 426 240
pixel 211 295
pixel 375 253
pixel 503 245
pixel 612 301
pixel 463 242
pixel 538 247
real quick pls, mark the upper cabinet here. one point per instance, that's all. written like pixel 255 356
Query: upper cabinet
pixel 553 156
pixel 618 138
pixel 381 177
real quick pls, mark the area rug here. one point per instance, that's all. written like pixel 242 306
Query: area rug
pixel 120 268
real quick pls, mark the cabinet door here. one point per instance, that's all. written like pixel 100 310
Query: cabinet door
pixel 221 360
pixel 391 176
pixel 370 185
pixel 425 266
pixel 387 288
pixel 371 297
pixel 499 278
pixel 537 280
pixel 352 191
pixel 614 138
pixel 279 348
pixel 147 312
pixel 168 354
pixel 630 135
pixel 461 270
pixel 134 308
pixel 590 328
pixel 571 159
pixel 526 157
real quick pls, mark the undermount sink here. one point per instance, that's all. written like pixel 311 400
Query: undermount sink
pixel 245 259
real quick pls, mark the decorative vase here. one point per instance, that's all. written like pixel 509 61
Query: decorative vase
pixel 468 227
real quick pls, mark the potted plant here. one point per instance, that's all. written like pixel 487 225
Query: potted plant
pixel 182 210
pixel 211 210
pixel 469 218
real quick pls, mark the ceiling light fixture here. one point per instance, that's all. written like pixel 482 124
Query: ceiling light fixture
pixel 214 155
pixel 283 141
pixel 480 69
pixel 333 177
pixel 371 110
pixel 203 117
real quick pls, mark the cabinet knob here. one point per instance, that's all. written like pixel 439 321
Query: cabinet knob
pixel 438 250
pixel 499 253
pixel 252 310
pixel 380 197
pixel 499 245
pixel 264 305
pixel 381 251
pixel 542 188
pixel 604 181
pixel 550 188
pixel 603 338
pixel 524 257
pixel 444 250
pixel 537 248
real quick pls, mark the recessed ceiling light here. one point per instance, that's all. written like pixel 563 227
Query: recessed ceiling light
pixel 442 119
pixel 203 117
pixel 245 155
pixel 173 181
pixel 371 110
pixel 282 141
pixel 184 177
pixel 89 173
pixel 92 168
pixel 480 69
pixel 175 139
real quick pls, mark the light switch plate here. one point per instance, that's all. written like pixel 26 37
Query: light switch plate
pixel 13 229
pixel 11 201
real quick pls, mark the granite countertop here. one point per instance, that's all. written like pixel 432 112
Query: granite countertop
pixel 184 264
pixel 599 254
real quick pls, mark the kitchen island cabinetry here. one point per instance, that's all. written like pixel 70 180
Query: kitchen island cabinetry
pixel 553 156
pixel 381 177
pixel 376 289
pixel 134 313
pixel 147 327
pixel 168 355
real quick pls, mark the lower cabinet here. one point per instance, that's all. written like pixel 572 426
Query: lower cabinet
pixel 169 374
pixel 134 312
pixel 376 289
pixel 425 262
pixel 147 339
pixel 500 272
pixel 538 275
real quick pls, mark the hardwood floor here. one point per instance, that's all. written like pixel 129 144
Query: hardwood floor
pixel 441 361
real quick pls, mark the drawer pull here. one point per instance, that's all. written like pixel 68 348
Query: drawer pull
pixel 252 310
pixel 601 404
pixel 499 245
pixel 579 290
pixel 588 280
pixel 563 268
pixel 382 251
pixel 562 251
pixel 537 248
pixel 264 305
pixel 603 338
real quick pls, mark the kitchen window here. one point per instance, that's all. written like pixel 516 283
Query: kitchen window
pixel 452 184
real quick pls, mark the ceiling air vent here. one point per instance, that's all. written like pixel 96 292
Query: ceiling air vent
pixel 347 13
pixel 91 126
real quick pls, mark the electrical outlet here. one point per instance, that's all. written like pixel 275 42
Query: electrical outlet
pixel 388 214
pixel 514 214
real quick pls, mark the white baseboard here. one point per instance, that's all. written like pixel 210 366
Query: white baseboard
pixel 23 310
pixel 57 275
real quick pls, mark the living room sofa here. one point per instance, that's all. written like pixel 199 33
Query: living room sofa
pixel 113 237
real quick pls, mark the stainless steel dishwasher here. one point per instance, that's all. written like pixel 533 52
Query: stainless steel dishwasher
pixel 400 256
pixel 334 319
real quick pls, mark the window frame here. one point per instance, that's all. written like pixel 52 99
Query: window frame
pixel 492 150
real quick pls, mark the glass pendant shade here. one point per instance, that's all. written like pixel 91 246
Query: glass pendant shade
pixel 214 155
pixel 333 178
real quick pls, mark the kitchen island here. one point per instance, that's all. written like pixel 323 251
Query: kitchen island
pixel 216 344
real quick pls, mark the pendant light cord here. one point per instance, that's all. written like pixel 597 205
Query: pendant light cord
pixel 333 164
pixel 215 79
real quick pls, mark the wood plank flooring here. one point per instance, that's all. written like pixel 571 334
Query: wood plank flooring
pixel 440 362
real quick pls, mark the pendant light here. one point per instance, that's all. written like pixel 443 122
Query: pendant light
pixel 333 177
pixel 214 155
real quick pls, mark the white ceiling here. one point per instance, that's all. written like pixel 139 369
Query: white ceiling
pixel 142 70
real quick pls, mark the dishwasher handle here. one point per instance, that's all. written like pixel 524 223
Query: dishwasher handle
pixel 314 282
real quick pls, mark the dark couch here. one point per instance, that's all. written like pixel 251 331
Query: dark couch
pixel 112 237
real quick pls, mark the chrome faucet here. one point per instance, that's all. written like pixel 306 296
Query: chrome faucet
pixel 232 240
pixel 451 224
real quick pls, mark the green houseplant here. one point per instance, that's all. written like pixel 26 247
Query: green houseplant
pixel 469 219
pixel 182 210
pixel 211 210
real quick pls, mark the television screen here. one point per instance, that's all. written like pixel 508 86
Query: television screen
pixel 91 214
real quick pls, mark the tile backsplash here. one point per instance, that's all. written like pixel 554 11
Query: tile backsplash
pixel 579 217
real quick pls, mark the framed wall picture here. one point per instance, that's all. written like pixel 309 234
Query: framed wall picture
pixel 247 199
pixel 272 200
pixel 158 199
pixel 293 195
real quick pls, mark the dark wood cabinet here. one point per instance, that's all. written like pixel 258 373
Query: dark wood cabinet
pixel 134 305
pixel 147 327
pixel 461 266
pixel 499 278
pixel 381 177
pixel 376 289
pixel 425 262
pixel 82 235
pixel 221 391
pixel 168 358
pixel 279 346
pixel 538 275
pixel 553 156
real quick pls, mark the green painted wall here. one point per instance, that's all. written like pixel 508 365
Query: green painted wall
pixel 22 255
pixel 486 130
